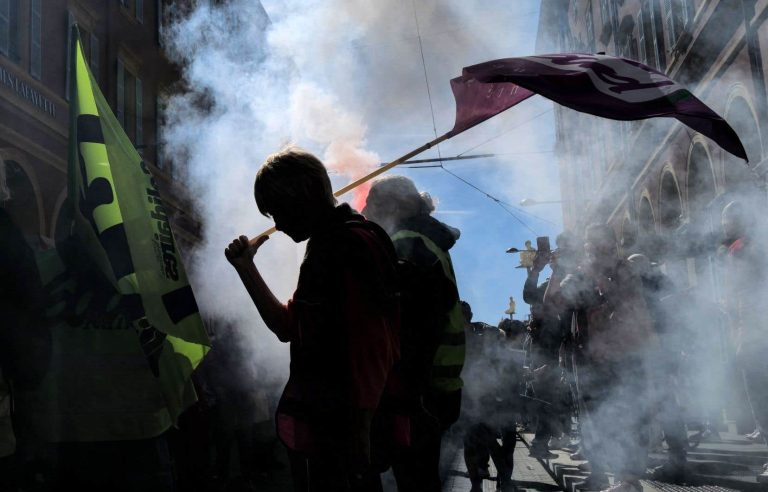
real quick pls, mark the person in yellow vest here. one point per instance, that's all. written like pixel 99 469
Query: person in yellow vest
pixel 98 419
pixel 434 335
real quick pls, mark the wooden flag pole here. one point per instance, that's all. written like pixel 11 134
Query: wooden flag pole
pixel 370 176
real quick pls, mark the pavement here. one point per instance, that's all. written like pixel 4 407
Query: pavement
pixel 728 464
pixel 529 474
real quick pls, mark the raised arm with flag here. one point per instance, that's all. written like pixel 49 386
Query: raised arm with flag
pixel 122 222
pixel 601 85
pixel 126 331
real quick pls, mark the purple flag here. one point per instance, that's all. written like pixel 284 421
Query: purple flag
pixel 601 85
pixel 477 101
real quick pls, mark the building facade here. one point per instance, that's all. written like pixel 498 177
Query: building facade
pixel 122 40
pixel 656 182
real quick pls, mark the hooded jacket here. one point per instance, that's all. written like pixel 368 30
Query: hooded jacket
pixel 424 242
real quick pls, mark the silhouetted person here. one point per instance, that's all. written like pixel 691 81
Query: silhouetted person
pixel 745 297
pixel 491 408
pixel 662 302
pixel 614 340
pixel 24 340
pixel 424 243
pixel 342 323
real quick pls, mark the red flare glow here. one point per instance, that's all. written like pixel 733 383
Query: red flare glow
pixel 360 196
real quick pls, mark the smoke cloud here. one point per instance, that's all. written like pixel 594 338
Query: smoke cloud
pixel 346 81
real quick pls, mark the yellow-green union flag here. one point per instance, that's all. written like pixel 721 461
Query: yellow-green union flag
pixel 121 223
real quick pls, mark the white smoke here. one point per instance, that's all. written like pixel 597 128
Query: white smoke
pixel 346 81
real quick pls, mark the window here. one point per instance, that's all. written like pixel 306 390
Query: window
pixel 671 25
pixel 654 36
pixel 659 61
pixel 138 8
pixel 645 216
pixel 94 57
pixel 590 27
pixel 9 29
pixel 70 23
pixel 670 203
pixel 129 103
pixel 685 12
pixel 5 25
pixel 677 19
pixel 35 35
pixel 642 55
pixel 605 11
pixel 139 140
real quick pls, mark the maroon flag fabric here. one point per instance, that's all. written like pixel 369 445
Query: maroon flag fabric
pixel 602 85
pixel 478 101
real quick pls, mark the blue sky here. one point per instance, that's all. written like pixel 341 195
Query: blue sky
pixel 486 274
pixel 352 73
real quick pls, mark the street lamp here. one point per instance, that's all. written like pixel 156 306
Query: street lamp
pixel 529 202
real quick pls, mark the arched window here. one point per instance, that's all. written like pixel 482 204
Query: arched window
pixel 700 188
pixel 738 176
pixel 645 217
pixel 628 237
pixel 670 203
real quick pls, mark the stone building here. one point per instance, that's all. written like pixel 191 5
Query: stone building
pixel 660 185
pixel 657 178
pixel 122 41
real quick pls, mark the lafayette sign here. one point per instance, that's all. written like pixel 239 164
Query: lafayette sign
pixel 26 92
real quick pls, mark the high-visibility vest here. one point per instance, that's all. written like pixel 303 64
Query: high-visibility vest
pixel 450 354
pixel 100 386
pixel 7 437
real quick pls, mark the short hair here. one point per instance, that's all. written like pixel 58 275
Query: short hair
pixel 292 176
pixel 401 193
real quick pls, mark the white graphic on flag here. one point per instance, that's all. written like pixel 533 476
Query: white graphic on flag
pixel 614 77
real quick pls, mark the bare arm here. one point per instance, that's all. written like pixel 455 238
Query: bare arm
pixel 531 291
pixel 273 312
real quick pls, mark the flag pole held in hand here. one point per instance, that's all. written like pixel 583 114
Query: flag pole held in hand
pixel 351 186
pixel 601 85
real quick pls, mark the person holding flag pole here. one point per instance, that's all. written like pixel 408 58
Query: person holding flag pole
pixel 601 85
pixel 125 329
pixel 342 324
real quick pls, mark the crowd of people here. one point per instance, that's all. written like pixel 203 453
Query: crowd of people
pixel 387 368
pixel 611 354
